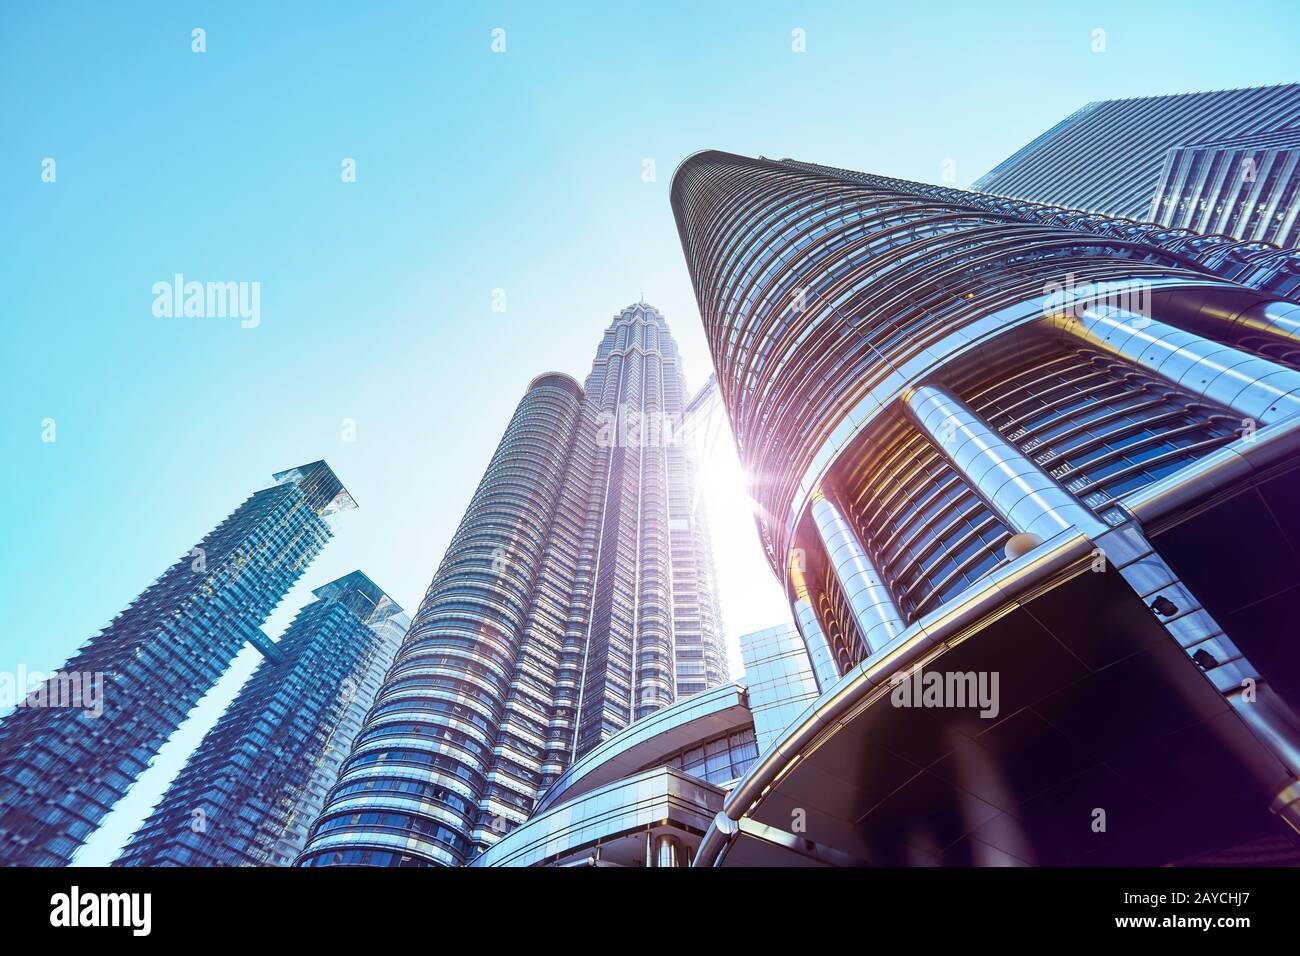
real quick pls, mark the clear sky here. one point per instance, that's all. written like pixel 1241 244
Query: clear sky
pixel 475 171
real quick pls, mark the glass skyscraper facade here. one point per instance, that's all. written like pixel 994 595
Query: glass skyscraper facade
pixel 576 596
pixel 779 680
pixel 62 768
pixel 1218 163
pixel 251 790
pixel 948 402
pixel 818 290
pixel 647 795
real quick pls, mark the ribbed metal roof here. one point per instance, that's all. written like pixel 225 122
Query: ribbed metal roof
pixel 1108 156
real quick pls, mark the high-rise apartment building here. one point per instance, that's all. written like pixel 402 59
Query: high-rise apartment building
pixel 253 787
pixel 70 751
pixel 576 596
pixel 997 459
pixel 1217 163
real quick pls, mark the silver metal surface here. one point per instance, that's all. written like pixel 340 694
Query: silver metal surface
pixel 868 595
pixel 1254 387
pixel 1279 319
pixel 1221 469
pixel 1207 309
pixel 645 802
pixel 826 668
pixel 1021 493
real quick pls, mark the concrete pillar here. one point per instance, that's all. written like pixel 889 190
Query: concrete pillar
pixel 668 851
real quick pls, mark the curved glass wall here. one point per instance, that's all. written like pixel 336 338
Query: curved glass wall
pixel 932 536
pixel 828 296
pixel 1099 426
pixel 814 286
pixel 981 385
pixel 719 760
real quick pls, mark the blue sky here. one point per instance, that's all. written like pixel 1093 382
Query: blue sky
pixel 476 171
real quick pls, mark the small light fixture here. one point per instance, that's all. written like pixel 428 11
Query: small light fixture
pixel 1163 606
pixel 1021 544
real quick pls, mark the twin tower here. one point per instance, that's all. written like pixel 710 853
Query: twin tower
pixel 575 597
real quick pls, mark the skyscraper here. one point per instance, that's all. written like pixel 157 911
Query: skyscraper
pixel 248 794
pixel 575 597
pixel 63 767
pixel 996 447
pixel 1221 162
